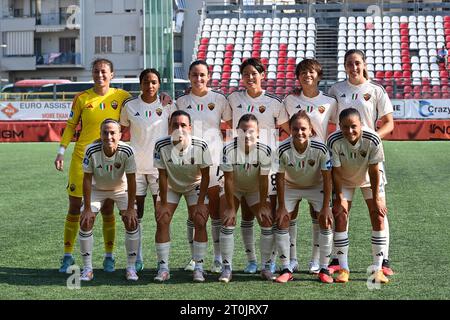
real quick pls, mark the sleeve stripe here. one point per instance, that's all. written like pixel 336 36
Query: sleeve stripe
pixel 161 145
pixel 373 137
pixel 378 85
pixel 128 100
pixel 125 149
pixel 265 148
pixel 163 141
pixel 219 92
pixel 230 146
pixel 93 149
pixel 283 148
pixel 273 97
pixel 319 146
pixel 200 143
pixel 333 138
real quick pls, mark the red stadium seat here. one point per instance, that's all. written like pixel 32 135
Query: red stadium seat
pixel 280 91
pixel 282 54
pixel 228 54
pixel 398 74
pixel 379 75
pixel 447 25
pixel 280 83
pixel 281 60
pixel 406 59
pixel 388 74
pixel 406 66
pixel 227 61
pixel 291 61
pixel 224 90
pixel 426 89
pixel 257 34
pixel 407 82
pixel 436 95
pixel 270 83
pixel 210 68
pixel 255 54
pixel 229 47
pixel 256 46
pixel 447 18
pixel 404 25
pixel 283 46
pixel 443 74
pixel 447 38
pixel 404 39
pixel 389 89
pixel 290 83
pixel 406 74
pixel 446 95
pixel 407 89
pixel 226 68
pixel 444 82
pixel 226 75
pixel 404 45
pixel 426 95
pixel 408 96
pixel 405 53
pixel 445 89
pixel 257 40
pixel 436 89
pixel 417 95
pixel 417 89
pixel 281 75
pixel 270 89
pixel 215 83
pixel 202 47
pixel 204 41
pixel 201 55
pixel 290 75
pixel 398 95
pixel 290 67
pixel 426 82
pixel 281 67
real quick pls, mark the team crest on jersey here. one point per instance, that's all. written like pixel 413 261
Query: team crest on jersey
pixel 321 109
pixel 114 104
pixel 158 111
pixel 211 106
pixel 117 165
pixel 362 153
pixel 367 96
pixel 262 109
pixel 72 187
pixel 311 162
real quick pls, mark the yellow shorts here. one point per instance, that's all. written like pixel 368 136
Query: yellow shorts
pixel 75 184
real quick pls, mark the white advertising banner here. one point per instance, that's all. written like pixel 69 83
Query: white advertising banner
pixel 34 110
pixel 421 109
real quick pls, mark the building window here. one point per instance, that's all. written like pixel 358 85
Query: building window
pixel 103 6
pixel 103 44
pixel 130 5
pixel 130 43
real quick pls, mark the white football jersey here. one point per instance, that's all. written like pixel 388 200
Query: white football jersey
pixel 148 122
pixel 354 160
pixel 246 168
pixel 303 170
pixel 321 109
pixel 182 166
pixel 267 108
pixel 369 98
pixel 109 173
pixel 206 114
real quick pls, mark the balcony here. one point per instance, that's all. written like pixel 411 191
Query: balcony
pixel 55 22
pixel 59 60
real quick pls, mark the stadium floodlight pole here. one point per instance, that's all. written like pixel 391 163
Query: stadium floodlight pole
pixel 2 45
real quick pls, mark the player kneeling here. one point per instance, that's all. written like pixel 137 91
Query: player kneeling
pixel 303 173
pixel 105 165
pixel 246 165
pixel 183 163
pixel 356 156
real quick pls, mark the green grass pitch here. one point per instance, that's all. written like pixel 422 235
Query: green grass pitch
pixel 34 203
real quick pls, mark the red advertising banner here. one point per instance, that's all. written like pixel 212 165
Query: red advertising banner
pixel 51 131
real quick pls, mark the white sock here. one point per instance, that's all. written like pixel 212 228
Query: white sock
pixel 378 248
pixel 199 254
pixel 333 248
pixel 325 243
pixel 266 244
pixel 216 225
pixel 315 241
pixel 190 235
pixel 293 239
pixel 162 254
pixel 139 256
pixel 386 228
pixel 341 243
pixel 248 239
pixel 283 244
pixel 86 245
pixel 132 246
pixel 227 245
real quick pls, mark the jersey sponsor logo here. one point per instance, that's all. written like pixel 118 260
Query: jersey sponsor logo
pixel 137 114
pixel 114 104
pixel 367 96
pixel 262 109
pixel 311 162
pixel 159 111
pixel 102 106
pixel 321 109
pixel 117 165
pixel 211 106
pixel 362 153
pixel 72 187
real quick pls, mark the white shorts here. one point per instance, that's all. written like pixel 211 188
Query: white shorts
pixel 251 198
pixel 190 196
pixel 366 192
pixel 98 197
pixel 215 175
pixel 314 196
pixel 145 182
